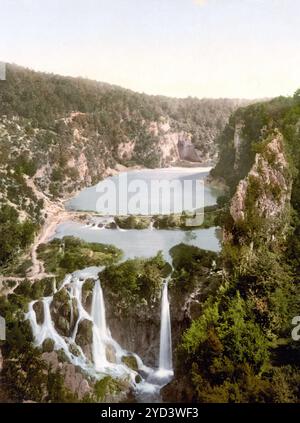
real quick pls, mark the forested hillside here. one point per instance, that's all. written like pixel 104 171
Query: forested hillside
pixel 240 349
pixel 60 134
pixel 115 114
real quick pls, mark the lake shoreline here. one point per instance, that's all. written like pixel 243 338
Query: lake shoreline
pixel 57 212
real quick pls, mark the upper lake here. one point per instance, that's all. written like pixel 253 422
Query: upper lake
pixel 137 192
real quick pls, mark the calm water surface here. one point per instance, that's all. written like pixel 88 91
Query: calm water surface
pixel 144 243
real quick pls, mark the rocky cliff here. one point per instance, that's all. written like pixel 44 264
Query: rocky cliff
pixel 259 261
pixel 264 195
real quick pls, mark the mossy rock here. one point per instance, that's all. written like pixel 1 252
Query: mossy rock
pixel 85 333
pixel 169 221
pixel 74 350
pixel 63 325
pixel 61 297
pixel 133 222
pixel 75 313
pixel 42 288
pixel 111 225
pixel 130 362
pixel 138 379
pixel 48 345
pixel 62 356
pixel 38 307
pixel 61 312
pixel 87 294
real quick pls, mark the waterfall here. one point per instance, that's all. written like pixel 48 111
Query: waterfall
pixel 99 328
pixel 106 353
pixel 165 351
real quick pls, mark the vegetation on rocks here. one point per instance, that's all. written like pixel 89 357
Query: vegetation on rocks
pixel 15 236
pixel 133 222
pixel 134 281
pixel 25 375
pixel 240 348
pixel 69 254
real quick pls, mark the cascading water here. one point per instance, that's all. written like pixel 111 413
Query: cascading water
pixel 99 327
pixel 165 350
pixel 159 378
pixel 152 380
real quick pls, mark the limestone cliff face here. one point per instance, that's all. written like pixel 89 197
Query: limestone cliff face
pixel 138 330
pixel 266 191
pixel 173 145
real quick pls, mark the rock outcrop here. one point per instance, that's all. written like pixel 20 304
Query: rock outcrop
pixel 74 379
pixel 266 190
pixel 173 145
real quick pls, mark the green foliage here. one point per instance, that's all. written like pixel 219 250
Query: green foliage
pixel 70 254
pixel 133 281
pixel 194 269
pixel 243 339
pixel 15 236
pixel 224 349
pixel 239 349
pixel 25 165
pixel 105 386
pixel 191 258
pixel 198 333
pixel 133 222
pixel 56 390
pixel 25 374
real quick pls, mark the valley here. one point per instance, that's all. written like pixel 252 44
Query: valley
pixel 121 306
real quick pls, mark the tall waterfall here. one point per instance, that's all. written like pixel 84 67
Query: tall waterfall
pixel 165 351
pixel 99 327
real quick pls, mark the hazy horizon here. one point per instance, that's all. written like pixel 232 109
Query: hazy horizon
pixel 242 49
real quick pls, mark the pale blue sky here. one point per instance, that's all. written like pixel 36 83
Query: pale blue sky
pixel 204 48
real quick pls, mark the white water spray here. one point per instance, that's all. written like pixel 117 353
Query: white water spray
pixel 99 328
pixel 107 354
pixel 165 351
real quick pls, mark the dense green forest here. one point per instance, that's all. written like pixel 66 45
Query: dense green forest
pixel 240 349
pixel 115 112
